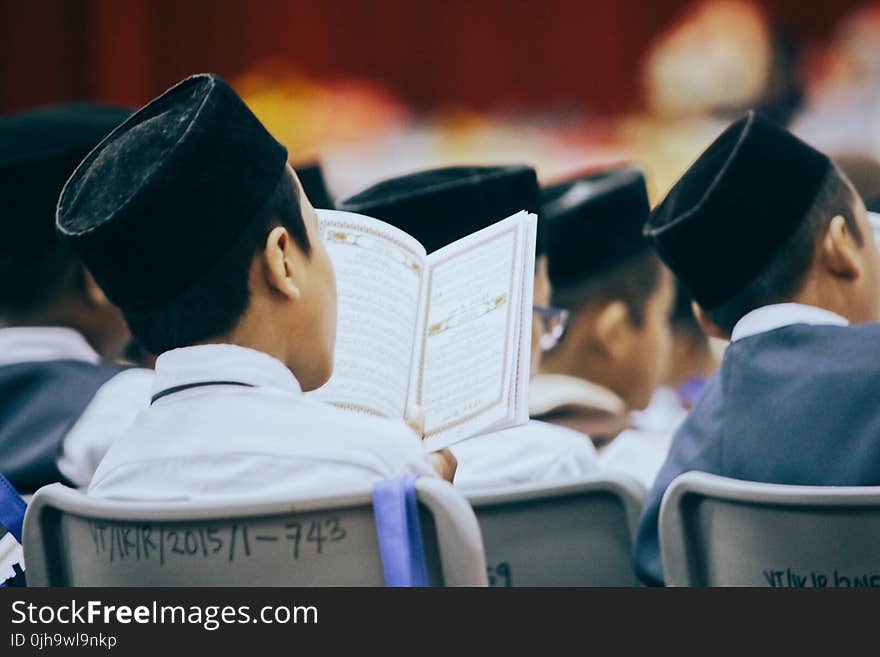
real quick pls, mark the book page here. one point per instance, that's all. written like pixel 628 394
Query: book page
pixel 469 335
pixel 378 281
pixel 520 383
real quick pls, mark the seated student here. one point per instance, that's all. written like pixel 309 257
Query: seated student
pixel 62 403
pixel 614 352
pixel 773 241
pixel 193 223
pixel 438 207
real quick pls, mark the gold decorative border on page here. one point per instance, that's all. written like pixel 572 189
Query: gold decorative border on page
pixel 470 313
pixel 357 407
pixel 490 405
pixel 334 231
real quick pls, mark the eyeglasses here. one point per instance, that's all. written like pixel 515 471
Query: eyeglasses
pixel 554 321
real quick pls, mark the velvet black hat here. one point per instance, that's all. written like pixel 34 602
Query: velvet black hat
pixel 733 209
pixel 439 206
pixel 311 177
pixel 168 193
pixel 39 149
pixel 593 223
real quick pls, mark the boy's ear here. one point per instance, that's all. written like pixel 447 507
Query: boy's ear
pixel 839 251
pixel 613 325
pixel 709 327
pixel 280 259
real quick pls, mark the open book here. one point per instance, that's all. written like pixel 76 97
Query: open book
pixel 449 332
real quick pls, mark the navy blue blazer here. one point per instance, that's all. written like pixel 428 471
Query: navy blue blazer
pixel 795 405
pixel 39 403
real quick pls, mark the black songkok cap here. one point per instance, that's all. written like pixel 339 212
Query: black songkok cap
pixel 167 194
pixel 440 206
pixel 311 177
pixel 39 149
pixel 733 209
pixel 593 223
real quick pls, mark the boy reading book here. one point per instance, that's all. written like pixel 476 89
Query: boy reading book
pixel 193 223
pixel 410 323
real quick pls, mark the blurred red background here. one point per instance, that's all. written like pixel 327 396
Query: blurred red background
pixel 477 53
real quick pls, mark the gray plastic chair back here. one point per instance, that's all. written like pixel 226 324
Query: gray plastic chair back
pixel 574 534
pixel 74 540
pixel 716 531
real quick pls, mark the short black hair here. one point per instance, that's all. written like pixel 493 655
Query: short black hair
pixel 784 275
pixel 632 281
pixel 32 279
pixel 215 303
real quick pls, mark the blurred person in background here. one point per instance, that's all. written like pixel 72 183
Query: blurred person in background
pixel 721 57
pixel 842 111
pixel 716 59
pixel 615 351
pixel 62 401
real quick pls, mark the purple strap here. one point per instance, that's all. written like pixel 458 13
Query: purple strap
pixel 690 390
pixel 396 510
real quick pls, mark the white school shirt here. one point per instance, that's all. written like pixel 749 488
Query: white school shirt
pixel 111 410
pixel 779 315
pixel 228 441
pixel 663 414
pixel 548 392
pixel 640 452
pixel 534 452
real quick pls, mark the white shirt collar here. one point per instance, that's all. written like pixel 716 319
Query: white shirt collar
pixel 778 315
pixel 29 344
pixel 222 362
pixel 551 391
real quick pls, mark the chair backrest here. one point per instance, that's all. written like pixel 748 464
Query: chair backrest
pixel 74 540
pixel 716 531
pixel 575 534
